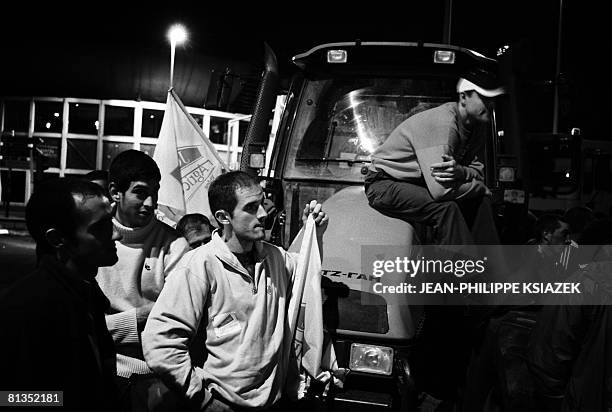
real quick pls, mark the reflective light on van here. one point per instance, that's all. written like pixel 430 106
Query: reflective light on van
pixel 363 133
pixel 336 56
pixel 257 160
pixel 371 359
pixel 503 49
pixel 444 57
pixel 506 174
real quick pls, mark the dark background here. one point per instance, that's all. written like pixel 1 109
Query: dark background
pixel 119 49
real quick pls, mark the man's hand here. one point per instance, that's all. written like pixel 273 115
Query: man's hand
pixel 448 171
pixel 269 206
pixel 482 189
pixel 320 217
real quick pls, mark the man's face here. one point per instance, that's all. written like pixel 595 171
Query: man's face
pixel 136 206
pixel 249 216
pixel 103 184
pixel 559 236
pixel 198 237
pixel 554 241
pixel 478 108
pixel 93 242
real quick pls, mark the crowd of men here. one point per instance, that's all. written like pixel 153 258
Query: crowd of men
pixel 126 313
pixel 77 324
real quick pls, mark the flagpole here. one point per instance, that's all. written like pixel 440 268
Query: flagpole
pixel 177 35
pixel 172 50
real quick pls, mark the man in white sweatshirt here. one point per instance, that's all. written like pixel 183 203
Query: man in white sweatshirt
pixel 147 252
pixel 218 333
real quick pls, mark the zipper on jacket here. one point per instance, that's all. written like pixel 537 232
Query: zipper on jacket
pixel 249 277
pixel 254 276
pixel 251 281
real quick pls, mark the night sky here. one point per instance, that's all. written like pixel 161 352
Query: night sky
pixel 235 31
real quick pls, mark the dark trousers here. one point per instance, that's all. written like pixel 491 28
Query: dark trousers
pixel 147 393
pixel 447 336
pixel 465 222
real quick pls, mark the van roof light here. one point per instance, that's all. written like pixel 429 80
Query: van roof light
pixel 336 56
pixel 444 57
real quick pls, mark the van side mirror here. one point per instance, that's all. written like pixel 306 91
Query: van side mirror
pixel 219 89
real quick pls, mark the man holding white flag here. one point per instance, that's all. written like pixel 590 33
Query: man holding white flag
pixel 188 162
pixel 235 290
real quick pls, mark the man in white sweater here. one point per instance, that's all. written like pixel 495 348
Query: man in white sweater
pixel 218 332
pixel 148 251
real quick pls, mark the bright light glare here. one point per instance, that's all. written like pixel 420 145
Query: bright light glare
pixel 365 139
pixel 177 34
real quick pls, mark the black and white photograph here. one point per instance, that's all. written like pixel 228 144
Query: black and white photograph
pixel 379 206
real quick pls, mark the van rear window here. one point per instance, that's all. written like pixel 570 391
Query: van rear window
pixel 341 122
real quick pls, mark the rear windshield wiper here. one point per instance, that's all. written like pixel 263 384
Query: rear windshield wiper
pixel 331 159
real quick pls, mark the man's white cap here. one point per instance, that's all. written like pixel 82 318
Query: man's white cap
pixel 464 85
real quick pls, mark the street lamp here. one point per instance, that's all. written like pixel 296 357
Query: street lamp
pixel 177 35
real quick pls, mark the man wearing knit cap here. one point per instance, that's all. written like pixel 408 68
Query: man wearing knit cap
pixel 428 171
pixel 147 252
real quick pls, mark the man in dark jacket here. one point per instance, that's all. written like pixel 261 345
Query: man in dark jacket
pixel 53 335
pixel 570 354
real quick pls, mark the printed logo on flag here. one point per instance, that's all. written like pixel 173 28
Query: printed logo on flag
pixel 196 171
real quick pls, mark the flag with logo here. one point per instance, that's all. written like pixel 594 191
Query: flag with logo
pixel 188 162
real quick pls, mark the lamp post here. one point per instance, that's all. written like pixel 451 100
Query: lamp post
pixel 177 35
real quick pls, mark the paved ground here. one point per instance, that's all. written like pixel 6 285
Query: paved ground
pixel 17 249
pixel 17 256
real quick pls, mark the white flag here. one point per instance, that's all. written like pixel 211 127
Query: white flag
pixel 312 353
pixel 188 162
